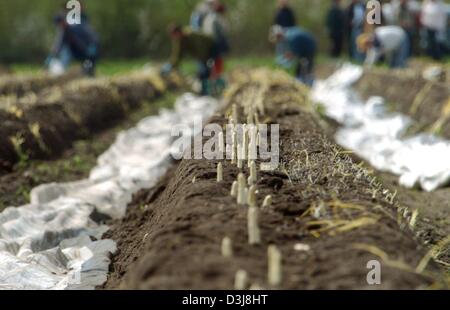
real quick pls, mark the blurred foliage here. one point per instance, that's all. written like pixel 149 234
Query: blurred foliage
pixel 137 28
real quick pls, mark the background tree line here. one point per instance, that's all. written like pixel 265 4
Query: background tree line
pixel 137 28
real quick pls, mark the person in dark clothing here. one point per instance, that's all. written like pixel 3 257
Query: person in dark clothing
pixel 406 20
pixel 295 46
pixel 355 16
pixel 336 27
pixel 199 46
pixel 216 26
pixel 285 16
pixel 77 41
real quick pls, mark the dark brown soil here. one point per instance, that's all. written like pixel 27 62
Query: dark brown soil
pixel 171 236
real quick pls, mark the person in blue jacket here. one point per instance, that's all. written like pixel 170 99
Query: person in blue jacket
pixel 77 41
pixel 295 47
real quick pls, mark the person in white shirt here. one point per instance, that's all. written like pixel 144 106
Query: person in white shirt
pixel 392 42
pixel 434 20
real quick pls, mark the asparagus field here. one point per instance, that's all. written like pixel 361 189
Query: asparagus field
pixel 320 218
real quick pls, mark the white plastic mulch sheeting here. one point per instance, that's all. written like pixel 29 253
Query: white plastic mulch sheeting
pixel 53 243
pixel 378 136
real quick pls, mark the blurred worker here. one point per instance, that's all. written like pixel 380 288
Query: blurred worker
pixel 390 42
pixel 295 47
pixel 204 8
pixel 355 14
pixel 199 46
pixel 434 20
pixel 336 25
pixel 215 25
pixel 406 19
pixel 285 16
pixel 77 41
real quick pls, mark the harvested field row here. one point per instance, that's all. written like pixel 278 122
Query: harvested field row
pixel 41 126
pixel 324 221
pixel 427 102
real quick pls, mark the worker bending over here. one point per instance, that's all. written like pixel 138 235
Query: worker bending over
pixel 390 42
pixel 295 47
pixel 77 41
pixel 199 46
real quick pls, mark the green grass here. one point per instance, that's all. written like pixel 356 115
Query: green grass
pixel 104 68
pixel 120 66
pixel 115 67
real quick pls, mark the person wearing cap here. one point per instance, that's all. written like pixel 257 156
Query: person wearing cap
pixel 285 16
pixel 201 47
pixel 390 42
pixel 76 41
pixel 295 47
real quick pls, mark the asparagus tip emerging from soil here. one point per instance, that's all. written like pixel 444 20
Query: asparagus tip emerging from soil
pixel 234 148
pixel 254 235
pixel 249 118
pixel 234 189
pixel 240 160
pixel 274 274
pixel 240 280
pixel 256 287
pixel 267 201
pixel 245 144
pixel 242 195
pixel 219 172
pixel 227 248
pixel 251 197
pixel 253 174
